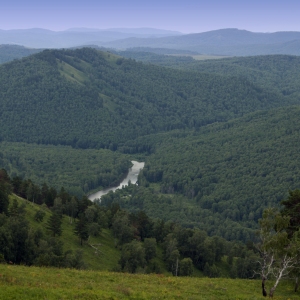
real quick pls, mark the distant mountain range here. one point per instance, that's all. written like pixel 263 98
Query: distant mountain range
pixel 232 42
pixel 229 42
pixel 134 31
pixel 43 38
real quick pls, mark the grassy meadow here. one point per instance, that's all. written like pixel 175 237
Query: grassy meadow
pixel 20 282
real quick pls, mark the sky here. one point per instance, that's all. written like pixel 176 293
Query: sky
pixel 188 16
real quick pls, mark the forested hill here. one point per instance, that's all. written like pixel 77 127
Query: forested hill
pixel 11 52
pixel 87 98
pixel 273 72
pixel 221 177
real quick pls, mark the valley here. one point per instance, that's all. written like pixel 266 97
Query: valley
pixel 150 150
pixel 131 178
pixel 212 143
pixel 205 130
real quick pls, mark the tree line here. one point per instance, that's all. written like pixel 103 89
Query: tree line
pixel 137 236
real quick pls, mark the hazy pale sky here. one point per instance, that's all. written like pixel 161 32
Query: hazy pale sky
pixel 186 16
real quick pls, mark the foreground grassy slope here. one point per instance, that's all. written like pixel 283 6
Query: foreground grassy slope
pixel 17 282
pixel 107 259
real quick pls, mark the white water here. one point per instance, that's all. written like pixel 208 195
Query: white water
pixel 132 175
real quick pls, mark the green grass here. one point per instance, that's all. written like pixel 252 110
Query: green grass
pixel 110 57
pixel 19 282
pixel 108 103
pixel 71 73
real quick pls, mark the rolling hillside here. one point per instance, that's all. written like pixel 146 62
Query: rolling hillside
pixel 91 99
pixel 68 241
pixel 221 177
pixel 269 72
pixel 11 52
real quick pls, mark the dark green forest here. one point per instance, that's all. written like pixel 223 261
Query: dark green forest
pixel 91 99
pixel 222 176
pixel 278 73
pixel 137 236
pixel 77 170
pixel 219 137
pixel 11 52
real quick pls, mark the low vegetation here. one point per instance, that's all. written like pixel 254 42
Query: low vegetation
pixel 19 282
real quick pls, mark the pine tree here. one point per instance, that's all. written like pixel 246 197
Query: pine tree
pixel 54 224
pixel 81 229
pixel 5 189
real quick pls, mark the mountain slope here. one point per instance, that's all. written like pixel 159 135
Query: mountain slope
pixel 272 72
pixel 11 52
pixel 278 73
pixel 78 171
pixel 110 255
pixel 87 98
pixel 221 177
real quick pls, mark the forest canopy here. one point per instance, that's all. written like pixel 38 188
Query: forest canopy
pixel 219 138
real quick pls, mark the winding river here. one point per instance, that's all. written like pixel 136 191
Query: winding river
pixel 132 175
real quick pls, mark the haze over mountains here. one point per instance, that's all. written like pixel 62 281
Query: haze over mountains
pixel 231 42
pixel 44 38
pixel 222 42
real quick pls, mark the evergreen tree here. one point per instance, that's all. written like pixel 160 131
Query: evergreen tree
pixel 81 229
pixel 54 224
pixel 5 190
